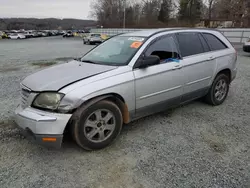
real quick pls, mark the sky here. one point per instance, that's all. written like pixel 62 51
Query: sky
pixel 79 9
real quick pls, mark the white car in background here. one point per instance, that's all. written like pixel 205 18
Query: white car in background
pixel 93 38
pixel 17 36
pixel 246 47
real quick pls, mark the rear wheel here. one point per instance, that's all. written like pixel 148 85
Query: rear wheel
pixel 97 126
pixel 219 90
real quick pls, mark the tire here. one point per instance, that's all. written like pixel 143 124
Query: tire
pixel 97 126
pixel 18 38
pixel 214 97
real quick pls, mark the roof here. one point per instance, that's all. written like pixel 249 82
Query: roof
pixel 145 33
pixel 150 32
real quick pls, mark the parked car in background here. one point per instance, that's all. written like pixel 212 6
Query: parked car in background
pixel 3 35
pixel 17 36
pixel 35 34
pixel 93 38
pixel 68 34
pixel 61 32
pixel 40 34
pixel 28 34
pixel 125 78
pixel 246 46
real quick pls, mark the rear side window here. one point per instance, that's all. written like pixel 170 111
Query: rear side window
pixel 204 43
pixel 165 48
pixel 214 42
pixel 190 44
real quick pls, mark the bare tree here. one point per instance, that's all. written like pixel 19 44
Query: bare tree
pixel 150 13
pixel 209 4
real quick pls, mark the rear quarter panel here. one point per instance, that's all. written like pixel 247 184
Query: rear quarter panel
pixel 225 59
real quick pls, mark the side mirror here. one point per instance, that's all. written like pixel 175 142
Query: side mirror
pixel 148 61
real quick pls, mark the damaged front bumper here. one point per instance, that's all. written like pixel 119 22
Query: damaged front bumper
pixel 45 128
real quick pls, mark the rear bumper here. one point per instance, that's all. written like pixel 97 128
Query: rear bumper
pixel 42 127
pixel 246 48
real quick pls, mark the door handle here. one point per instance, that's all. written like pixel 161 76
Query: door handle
pixel 177 67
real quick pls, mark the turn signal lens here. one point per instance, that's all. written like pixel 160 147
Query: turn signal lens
pixel 49 139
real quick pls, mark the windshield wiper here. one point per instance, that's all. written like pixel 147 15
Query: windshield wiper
pixel 88 61
pixel 84 61
pixel 77 59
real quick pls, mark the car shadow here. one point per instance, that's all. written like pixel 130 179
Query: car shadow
pixel 70 145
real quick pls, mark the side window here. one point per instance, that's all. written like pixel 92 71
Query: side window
pixel 190 44
pixel 165 48
pixel 204 43
pixel 214 42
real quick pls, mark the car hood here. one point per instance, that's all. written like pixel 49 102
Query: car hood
pixel 56 77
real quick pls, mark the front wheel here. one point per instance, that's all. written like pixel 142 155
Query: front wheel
pixel 97 126
pixel 218 91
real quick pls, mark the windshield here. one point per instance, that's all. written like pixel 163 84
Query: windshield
pixel 115 51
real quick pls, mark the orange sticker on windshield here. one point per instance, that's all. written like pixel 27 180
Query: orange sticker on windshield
pixel 136 45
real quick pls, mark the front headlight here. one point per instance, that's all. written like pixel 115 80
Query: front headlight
pixel 48 100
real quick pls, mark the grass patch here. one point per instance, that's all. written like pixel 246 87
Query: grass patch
pixel 44 63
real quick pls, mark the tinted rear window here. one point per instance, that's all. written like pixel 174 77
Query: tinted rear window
pixel 95 35
pixel 190 44
pixel 214 42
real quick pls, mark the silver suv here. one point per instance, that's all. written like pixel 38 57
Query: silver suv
pixel 127 77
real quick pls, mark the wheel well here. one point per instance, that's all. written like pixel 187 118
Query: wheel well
pixel 226 72
pixel 113 97
pixel 120 102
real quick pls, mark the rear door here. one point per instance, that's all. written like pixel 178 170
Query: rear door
pixel 198 64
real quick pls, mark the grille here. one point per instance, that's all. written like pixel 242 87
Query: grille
pixel 24 97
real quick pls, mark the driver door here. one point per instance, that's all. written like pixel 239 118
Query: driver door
pixel 159 87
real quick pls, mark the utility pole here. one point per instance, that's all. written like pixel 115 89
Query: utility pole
pixel 124 14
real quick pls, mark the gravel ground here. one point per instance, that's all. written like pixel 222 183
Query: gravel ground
pixel 192 146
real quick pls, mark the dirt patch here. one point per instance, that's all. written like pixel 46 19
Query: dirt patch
pixel 9 69
pixel 118 174
pixel 64 58
pixel 215 143
pixel 44 63
pixel 8 123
